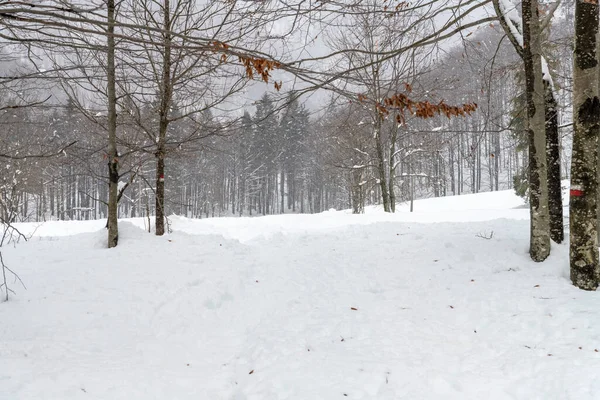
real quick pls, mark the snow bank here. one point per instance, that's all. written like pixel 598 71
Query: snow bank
pixel 358 307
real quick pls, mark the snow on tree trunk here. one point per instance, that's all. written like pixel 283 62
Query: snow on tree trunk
pixel 538 184
pixel 585 273
pixel 544 180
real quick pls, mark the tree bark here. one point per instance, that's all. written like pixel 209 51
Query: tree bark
pixel 381 164
pixel 539 248
pixel 166 92
pixel 160 193
pixel 357 193
pixel 392 172
pixel 530 51
pixel 113 155
pixel 585 273
pixel 555 205
pixel 497 151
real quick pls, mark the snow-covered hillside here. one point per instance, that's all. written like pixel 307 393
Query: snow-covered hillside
pixel 442 303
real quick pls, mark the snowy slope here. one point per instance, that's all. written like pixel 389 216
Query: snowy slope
pixel 301 307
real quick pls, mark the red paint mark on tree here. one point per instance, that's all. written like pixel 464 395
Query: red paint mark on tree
pixel 576 192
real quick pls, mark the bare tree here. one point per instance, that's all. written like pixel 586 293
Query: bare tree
pixel 529 46
pixel 538 190
pixel 113 156
pixel 384 76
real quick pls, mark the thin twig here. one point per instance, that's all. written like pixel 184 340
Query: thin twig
pixel 485 235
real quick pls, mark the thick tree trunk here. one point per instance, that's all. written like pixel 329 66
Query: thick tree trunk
pixel 166 93
pixel 160 193
pixel 585 273
pixel 545 190
pixel 538 183
pixel 555 205
pixel 113 156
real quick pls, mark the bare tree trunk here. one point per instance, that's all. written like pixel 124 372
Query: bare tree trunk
pixel 52 191
pixel 356 190
pixel 538 183
pixel 290 188
pixel 160 192
pixel 282 190
pixel 545 206
pixel 392 172
pixel 459 164
pixel 113 156
pixel 381 165
pixel 585 272
pixel 411 179
pixel 148 213
pixel 166 92
pixel 233 192
pixel 451 165
pixel 478 170
pixel 242 199
pixel 497 151
pixel 555 205
pixel 473 160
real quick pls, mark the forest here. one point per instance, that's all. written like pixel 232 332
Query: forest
pixel 151 108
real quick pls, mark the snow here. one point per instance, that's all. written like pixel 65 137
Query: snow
pixel 413 151
pixel 546 72
pixel 333 305
pixel 512 19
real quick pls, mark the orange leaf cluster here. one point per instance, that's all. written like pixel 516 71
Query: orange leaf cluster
pixel 421 109
pixel 219 46
pixel 259 66
pixel 253 65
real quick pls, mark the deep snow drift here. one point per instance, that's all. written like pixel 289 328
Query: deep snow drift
pixel 296 307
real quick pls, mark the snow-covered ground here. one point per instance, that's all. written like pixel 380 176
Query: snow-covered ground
pixel 428 305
